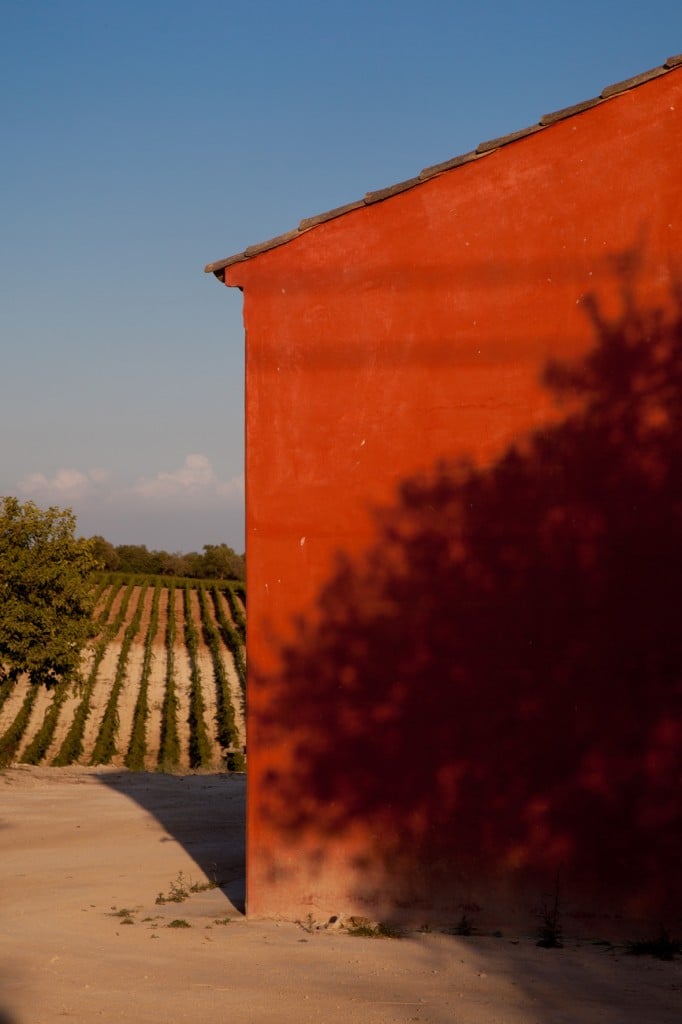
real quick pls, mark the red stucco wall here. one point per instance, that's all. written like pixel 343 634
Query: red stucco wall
pixel 407 754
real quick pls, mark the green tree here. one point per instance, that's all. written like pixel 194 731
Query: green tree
pixel 137 558
pixel 193 565
pixel 45 591
pixel 105 553
pixel 222 563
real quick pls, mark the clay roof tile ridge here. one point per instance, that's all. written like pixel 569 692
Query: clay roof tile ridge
pixel 482 150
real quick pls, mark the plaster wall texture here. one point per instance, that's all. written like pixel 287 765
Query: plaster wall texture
pixel 409 457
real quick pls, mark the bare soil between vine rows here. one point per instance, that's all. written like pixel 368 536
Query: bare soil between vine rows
pixel 130 681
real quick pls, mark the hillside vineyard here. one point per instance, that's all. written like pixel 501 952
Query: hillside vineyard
pixel 162 684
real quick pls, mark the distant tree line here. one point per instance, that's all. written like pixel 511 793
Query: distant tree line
pixel 217 561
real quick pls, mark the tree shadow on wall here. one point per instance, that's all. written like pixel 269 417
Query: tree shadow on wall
pixel 494 687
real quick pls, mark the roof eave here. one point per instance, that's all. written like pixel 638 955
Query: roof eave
pixel 482 150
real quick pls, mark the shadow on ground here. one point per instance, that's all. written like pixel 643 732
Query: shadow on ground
pixel 204 813
pixel 583 982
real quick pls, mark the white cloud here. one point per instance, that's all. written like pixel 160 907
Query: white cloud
pixel 180 509
pixel 66 485
pixel 195 481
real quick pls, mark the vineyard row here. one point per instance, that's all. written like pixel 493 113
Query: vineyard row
pixel 162 684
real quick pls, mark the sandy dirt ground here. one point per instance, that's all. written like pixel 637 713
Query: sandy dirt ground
pixel 85 851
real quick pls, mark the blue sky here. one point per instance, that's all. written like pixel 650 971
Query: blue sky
pixel 143 139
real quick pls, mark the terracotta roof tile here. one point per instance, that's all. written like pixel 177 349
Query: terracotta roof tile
pixel 219 265
pixel 254 250
pixel 311 222
pixel 630 83
pixel 577 108
pixel 447 165
pixel 504 140
pixel 392 190
pixel 481 151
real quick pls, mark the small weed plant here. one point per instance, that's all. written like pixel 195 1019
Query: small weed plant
pixel 125 915
pixel 203 886
pixel 365 929
pixel 178 891
pixel 181 888
pixel 549 930
pixel 465 926
pixel 662 948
